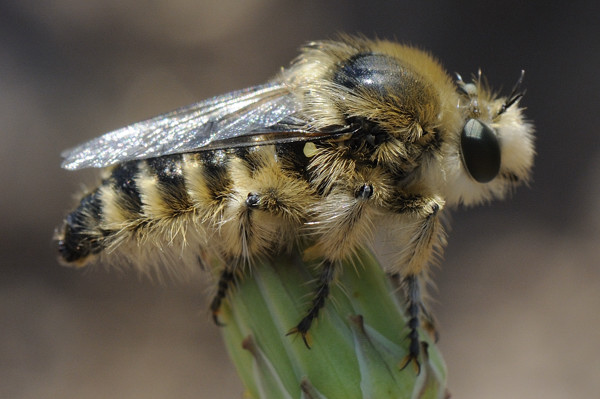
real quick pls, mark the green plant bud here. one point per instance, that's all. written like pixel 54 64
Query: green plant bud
pixel 358 342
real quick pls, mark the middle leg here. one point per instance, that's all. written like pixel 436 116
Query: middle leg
pixel 342 224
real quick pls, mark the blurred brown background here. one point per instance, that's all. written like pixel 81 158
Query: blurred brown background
pixel 519 291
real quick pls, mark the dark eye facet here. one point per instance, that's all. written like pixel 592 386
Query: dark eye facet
pixel 480 151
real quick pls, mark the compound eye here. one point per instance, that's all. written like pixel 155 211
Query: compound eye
pixel 480 151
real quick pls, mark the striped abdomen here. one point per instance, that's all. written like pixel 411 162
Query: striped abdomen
pixel 171 210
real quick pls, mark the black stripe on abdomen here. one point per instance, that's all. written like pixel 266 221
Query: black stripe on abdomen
pixel 80 236
pixel 171 182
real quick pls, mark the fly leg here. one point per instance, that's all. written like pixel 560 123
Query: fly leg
pixel 420 238
pixel 342 224
pixel 320 295
pixel 226 279
pixel 414 305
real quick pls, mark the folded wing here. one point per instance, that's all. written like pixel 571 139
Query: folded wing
pixel 262 114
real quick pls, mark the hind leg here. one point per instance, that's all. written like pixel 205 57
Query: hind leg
pixel 261 218
pixel 226 279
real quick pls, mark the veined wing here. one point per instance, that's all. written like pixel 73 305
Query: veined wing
pixel 258 115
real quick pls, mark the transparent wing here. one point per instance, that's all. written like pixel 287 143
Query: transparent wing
pixel 257 115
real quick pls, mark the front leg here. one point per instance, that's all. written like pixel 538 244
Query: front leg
pixel 414 306
pixel 418 234
pixel 419 238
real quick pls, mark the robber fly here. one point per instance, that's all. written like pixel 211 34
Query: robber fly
pixel 355 137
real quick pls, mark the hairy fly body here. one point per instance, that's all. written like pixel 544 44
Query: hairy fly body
pixel 356 137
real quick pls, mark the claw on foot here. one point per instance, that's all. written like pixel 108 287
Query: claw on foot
pixel 306 338
pixel 215 317
pixel 408 359
pixel 415 349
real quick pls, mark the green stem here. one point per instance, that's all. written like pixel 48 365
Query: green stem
pixel 358 341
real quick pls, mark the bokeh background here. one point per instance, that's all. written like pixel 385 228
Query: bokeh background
pixel 519 292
